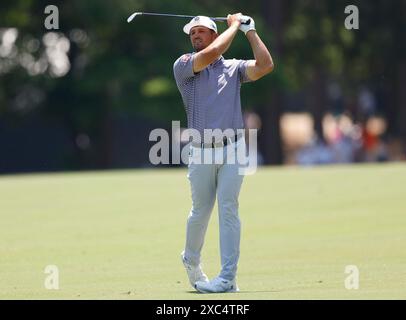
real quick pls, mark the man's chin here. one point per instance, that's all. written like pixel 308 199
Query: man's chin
pixel 198 48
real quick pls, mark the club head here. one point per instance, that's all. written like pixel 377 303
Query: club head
pixel 131 18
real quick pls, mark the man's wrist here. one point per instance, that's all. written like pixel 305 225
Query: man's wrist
pixel 235 25
pixel 251 33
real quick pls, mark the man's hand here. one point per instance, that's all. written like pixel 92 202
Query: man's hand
pixel 247 27
pixel 234 19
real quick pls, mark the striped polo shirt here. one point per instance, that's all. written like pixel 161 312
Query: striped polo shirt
pixel 212 96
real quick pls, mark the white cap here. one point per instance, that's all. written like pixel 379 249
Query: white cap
pixel 200 21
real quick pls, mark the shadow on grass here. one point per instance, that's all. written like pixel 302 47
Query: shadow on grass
pixel 235 293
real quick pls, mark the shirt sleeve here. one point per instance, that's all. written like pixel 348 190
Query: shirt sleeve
pixel 183 68
pixel 242 70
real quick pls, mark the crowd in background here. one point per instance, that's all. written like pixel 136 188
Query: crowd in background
pixel 350 135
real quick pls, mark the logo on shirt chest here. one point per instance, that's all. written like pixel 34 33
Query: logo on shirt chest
pixel 221 81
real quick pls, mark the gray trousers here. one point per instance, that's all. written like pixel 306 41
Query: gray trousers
pixel 208 181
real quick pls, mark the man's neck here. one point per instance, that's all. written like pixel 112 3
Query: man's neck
pixel 219 58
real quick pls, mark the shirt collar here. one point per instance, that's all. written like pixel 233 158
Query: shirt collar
pixel 218 60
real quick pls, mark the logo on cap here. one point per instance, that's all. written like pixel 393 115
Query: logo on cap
pixel 197 18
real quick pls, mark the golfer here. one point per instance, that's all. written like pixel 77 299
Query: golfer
pixel 210 90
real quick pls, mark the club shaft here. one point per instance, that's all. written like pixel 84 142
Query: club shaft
pixel 178 16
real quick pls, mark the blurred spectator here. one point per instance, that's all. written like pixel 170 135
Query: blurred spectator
pixel 373 143
pixel 316 152
pixel 339 133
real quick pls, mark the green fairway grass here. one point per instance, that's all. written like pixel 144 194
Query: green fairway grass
pixel 119 234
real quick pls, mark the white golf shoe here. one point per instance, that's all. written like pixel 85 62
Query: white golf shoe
pixel 195 273
pixel 217 285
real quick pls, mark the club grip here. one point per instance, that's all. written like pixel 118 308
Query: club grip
pixel 245 20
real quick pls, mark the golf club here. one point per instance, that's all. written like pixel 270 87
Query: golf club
pixel 131 18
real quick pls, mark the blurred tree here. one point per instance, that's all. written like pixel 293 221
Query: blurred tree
pixel 399 31
pixel 271 144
